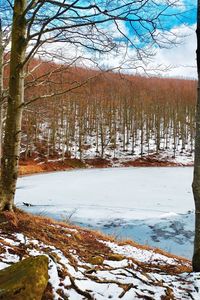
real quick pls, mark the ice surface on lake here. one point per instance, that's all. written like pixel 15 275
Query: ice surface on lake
pixel 150 205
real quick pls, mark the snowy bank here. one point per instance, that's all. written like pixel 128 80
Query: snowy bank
pixel 87 265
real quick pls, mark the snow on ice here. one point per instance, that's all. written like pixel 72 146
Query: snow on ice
pixel 149 205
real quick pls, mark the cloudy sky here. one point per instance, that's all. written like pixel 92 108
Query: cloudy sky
pixel 179 20
pixel 180 59
pixel 175 61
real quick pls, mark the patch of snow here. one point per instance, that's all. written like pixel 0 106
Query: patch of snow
pixel 11 242
pixel 72 229
pixel 3 265
pixel 20 237
pixel 54 278
pixel 65 262
pixel 35 242
pixel 100 291
pixel 117 264
pixel 72 294
pixel 145 256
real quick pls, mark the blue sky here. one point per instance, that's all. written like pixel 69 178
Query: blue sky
pixel 184 13
pixel 180 60
pixel 183 57
pixel 179 20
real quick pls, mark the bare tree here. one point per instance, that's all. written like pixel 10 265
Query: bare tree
pixel 1 82
pixel 196 178
pixel 77 23
pixel 4 40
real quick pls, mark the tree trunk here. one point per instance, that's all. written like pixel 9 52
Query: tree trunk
pixel 11 147
pixel 1 87
pixel 196 179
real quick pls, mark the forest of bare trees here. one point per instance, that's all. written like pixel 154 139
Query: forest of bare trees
pixel 110 116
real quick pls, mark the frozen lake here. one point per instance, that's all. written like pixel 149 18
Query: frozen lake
pixel 150 205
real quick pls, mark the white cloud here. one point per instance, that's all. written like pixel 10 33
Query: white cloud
pixel 179 61
pixel 181 58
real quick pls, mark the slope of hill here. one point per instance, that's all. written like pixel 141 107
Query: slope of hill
pixel 87 265
pixel 106 115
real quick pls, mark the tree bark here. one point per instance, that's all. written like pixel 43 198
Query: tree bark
pixel 11 147
pixel 1 86
pixel 196 178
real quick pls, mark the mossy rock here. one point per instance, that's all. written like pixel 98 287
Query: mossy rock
pixel 96 260
pixel 115 256
pixel 25 280
pixel 78 236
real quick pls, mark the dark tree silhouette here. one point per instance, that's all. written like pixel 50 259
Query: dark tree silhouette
pixel 196 179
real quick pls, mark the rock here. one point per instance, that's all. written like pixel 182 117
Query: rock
pixel 77 236
pixel 115 256
pixel 96 260
pixel 25 280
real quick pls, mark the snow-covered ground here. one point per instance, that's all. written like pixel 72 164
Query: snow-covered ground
pixel 138 274
pixel 120 146
pixel 150 205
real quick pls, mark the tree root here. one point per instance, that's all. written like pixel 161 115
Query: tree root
pixel 79 291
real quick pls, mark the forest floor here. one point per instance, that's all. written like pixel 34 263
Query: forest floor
pixel 33 166
pixel 85 264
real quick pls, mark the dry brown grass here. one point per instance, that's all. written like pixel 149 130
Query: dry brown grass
pixel 28 167
pixel 84 241
pixel 87 246
pixel 151 161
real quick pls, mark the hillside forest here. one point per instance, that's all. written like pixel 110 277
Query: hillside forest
pixel 85 114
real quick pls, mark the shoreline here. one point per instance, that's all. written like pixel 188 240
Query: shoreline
pixel 31 166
